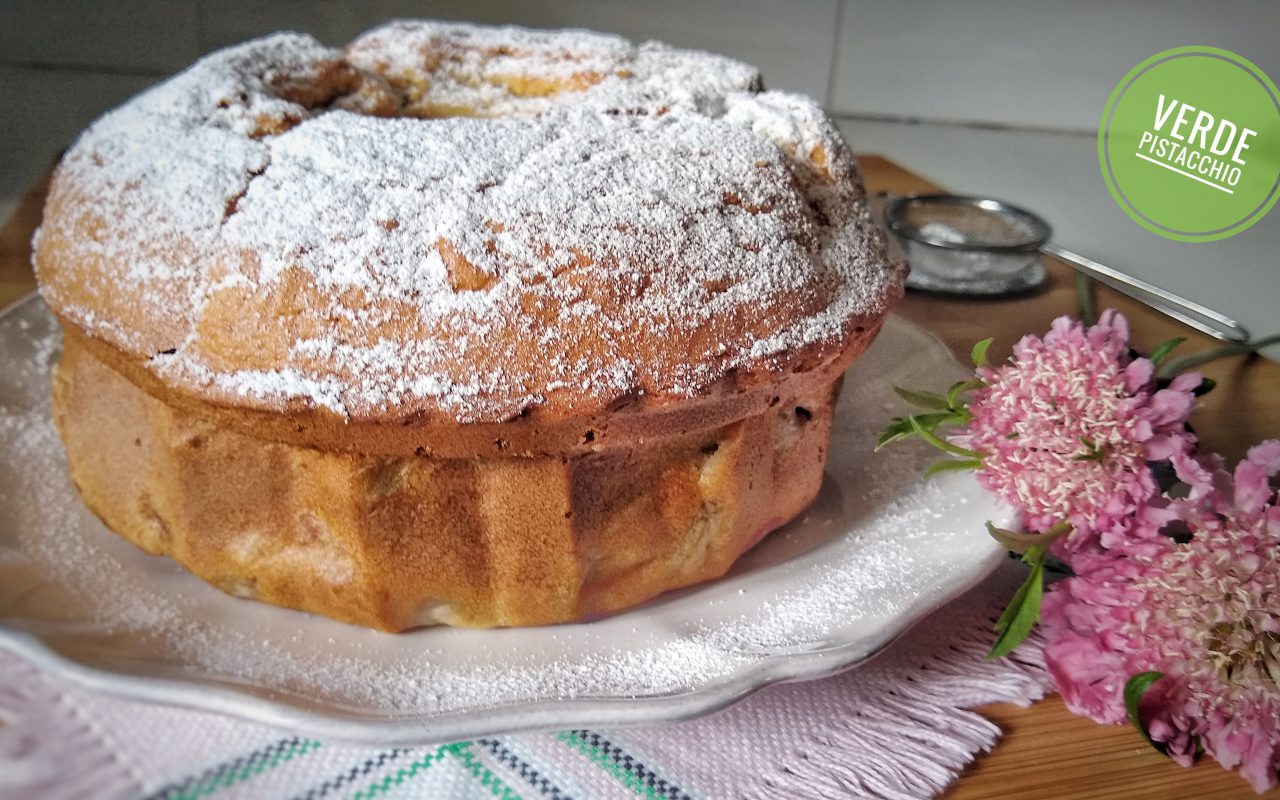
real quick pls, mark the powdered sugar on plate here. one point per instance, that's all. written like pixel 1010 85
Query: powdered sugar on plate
pixel 877 549
pixel 543 219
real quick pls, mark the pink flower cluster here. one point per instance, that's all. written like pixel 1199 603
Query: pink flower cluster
pixel 1185 584
pixel 1202 607
pixel 1067 427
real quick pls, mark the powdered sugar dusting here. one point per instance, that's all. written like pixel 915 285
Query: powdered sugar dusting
pixel 502 71
pixel 291 224
pixel 877 548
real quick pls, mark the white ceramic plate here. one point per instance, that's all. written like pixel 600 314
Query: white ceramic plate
pixel 878 550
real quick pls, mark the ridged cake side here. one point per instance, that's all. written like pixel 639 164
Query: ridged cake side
pixel 398 542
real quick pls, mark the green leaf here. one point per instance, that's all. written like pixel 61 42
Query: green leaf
pixel 906 427
pixel 979 352
pixel 922 399
pixel 1023 610
pixel 1092 452
pixel 1165 348
pixel 1206 385
pixel 951 465
pixel 895 431
pixel 1016 541
pixel 1023 541
pixel 954 401
pixel 941 444
pixel 933 419
pixel 1134 689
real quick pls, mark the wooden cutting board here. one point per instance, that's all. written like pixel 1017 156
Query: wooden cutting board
pixel 1046 752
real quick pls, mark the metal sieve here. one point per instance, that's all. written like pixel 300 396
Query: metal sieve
pixel 984 246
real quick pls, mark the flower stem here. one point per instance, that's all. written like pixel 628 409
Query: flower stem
pixel 1084 299
pixel 1185 363
pixel 940 443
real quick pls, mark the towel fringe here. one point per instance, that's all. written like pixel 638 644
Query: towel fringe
pixel 48 748
pixel 915 736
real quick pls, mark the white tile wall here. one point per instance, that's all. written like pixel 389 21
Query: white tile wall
pixel 157 36
pixel 1029 63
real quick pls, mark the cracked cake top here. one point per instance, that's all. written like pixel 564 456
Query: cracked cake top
pixel 463 223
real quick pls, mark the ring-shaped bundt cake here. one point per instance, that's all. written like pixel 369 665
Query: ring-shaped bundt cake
pixel 464 325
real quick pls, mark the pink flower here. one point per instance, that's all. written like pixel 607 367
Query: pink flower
pixel 1067 427
pixel 1205 611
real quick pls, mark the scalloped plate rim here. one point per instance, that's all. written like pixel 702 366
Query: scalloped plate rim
pixel 541 714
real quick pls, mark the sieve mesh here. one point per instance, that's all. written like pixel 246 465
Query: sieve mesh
pixel 968 224
pixel 968 245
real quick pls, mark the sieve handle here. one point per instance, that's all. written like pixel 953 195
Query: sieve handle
pixel 1217 325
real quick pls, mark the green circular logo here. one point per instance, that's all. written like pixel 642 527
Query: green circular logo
pixel 1189 144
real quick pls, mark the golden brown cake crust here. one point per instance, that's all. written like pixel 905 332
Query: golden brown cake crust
pixel 394 542
pixel 537 433
pixel 289 228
